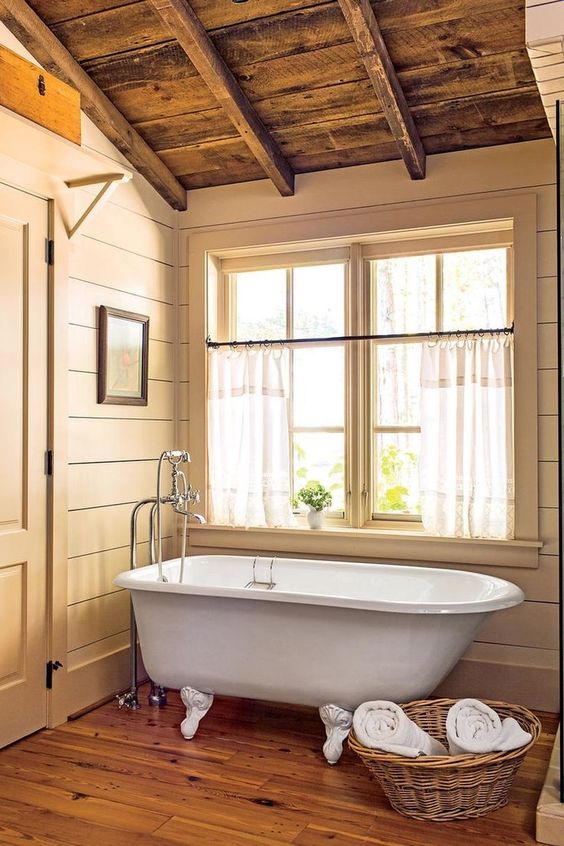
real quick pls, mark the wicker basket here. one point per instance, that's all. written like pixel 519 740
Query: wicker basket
pixel 453 788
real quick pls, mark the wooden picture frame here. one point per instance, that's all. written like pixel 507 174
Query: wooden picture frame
pixel 123 357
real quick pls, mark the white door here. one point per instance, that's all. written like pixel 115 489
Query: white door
pixel 23 484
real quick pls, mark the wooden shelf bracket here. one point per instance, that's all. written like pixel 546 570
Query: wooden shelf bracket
pixel 108 181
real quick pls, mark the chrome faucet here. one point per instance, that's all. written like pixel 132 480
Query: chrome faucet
pixel 180 500
pixel 181 497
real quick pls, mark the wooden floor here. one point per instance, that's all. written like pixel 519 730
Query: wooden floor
pixel 254 774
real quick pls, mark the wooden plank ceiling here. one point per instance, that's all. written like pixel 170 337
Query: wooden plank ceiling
pixel 461 64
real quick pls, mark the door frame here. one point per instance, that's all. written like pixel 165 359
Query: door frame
pixel 59 206
pixel 57 440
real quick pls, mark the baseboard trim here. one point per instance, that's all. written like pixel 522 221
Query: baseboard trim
pixel 534 687
pixel 92 684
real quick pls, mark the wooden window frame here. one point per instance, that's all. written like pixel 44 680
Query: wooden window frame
pixel 360 393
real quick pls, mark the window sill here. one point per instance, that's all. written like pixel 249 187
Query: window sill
pixel 377 544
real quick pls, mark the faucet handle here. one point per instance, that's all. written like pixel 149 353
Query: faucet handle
pixel 177 456
pixel 192 495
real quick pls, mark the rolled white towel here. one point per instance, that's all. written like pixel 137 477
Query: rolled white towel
pixel 384 725
pixel 474 728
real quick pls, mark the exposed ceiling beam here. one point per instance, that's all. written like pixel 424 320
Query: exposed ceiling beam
pixel 374 53
pixel 186 27
pixel 23 22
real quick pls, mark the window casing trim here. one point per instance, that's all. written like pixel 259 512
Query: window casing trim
pixel 366 543
pixel 206 249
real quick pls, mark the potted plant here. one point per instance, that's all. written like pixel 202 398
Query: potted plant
pixel 317 498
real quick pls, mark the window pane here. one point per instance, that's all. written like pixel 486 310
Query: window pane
pixel 261 305
pixel 397 473
pixel 398 391
pixel 319 386
pixel 475 289
pixel 320 457
pixel 319 301
pixel 405 294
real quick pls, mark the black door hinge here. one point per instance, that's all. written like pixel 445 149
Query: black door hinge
pixel 49 462
pixel 50 252
pixel 51 667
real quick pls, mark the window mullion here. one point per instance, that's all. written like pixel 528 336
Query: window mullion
pixel 289 334
pixel 439 290
pixel 355 354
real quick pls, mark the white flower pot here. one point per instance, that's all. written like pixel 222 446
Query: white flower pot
pixel 315 518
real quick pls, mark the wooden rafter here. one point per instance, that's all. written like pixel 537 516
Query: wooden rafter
pixel 374 54
pixel 186 27
pixel 23 22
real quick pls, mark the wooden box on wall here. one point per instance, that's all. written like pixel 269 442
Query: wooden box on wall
pixel 39 96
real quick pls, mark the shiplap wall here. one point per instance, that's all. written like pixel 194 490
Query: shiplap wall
pixel 125 257
pixel 515 656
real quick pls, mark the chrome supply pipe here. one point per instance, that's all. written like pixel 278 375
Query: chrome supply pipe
pixel 152 535
pixel 159 521
pixel 131 698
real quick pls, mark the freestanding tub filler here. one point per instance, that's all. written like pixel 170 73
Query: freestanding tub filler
pixel 321 633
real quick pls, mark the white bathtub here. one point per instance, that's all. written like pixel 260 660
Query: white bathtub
pixel 327 634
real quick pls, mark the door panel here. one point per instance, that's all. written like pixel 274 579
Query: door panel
pixel 13 235
pixel 13 616
pixel 23 440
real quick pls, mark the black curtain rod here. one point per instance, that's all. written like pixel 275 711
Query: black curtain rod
pixel 457 333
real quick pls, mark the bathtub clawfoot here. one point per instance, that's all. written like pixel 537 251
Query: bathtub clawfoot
pixel 337 724
pixel 197 706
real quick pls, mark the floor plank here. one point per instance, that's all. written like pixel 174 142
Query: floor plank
pixel 31 822
pixel 253 776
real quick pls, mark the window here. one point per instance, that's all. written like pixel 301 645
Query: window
pixel 354 409
pixel 302 302
pixel 449 291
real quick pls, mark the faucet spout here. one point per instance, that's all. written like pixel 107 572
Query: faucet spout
pixel 197 517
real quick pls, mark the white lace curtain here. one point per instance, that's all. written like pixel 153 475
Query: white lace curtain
pixel 466 465
pixel 248 443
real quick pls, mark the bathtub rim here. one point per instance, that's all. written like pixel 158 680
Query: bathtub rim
pixel 512 596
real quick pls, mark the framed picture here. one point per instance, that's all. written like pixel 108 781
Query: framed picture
pixel 123 357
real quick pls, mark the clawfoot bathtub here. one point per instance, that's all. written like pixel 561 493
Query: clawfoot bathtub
pixel 321 633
